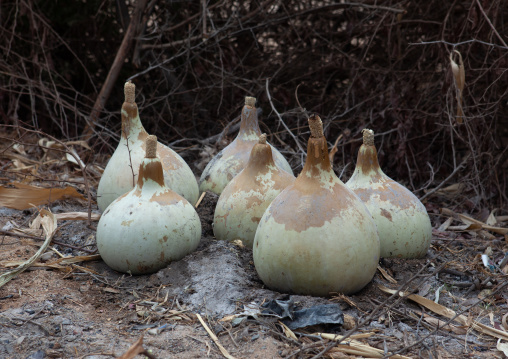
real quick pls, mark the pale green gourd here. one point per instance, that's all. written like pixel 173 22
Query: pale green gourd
pixel 150 226
pixel 232 159
pixel 402 220
pixel 118 179
pixel 316 237
pixel 244 200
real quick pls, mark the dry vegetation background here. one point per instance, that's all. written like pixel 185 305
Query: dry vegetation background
pixel 383 65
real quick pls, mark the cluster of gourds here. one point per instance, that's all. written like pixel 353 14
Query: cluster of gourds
pixel 310 235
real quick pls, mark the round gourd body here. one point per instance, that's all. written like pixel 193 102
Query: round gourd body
pixel 117 178
pixel 316 237
pixel 232 159
pixel 146 229
pixel 244 200
pixel 402 221
pixel 297 250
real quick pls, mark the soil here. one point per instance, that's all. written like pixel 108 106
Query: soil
pixel 91 311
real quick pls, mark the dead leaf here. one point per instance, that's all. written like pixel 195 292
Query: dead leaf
pixel 441 324
pixel 452 190
pixel 385 274
pixel 471 223
pixel 135 349
pixel 502 347
pixel 443 227
pixel 19 148
pixel 77 216
pixel 466 227
pixel 491 220
pixel 460 80
pixel 26 196
pixel 288 332
pixel 71 158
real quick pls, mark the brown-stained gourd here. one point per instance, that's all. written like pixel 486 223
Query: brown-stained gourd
pixel 402 220
pixel 316 237
pixel 244 200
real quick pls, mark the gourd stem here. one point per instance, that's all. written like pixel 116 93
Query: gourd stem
pixel 130 92
pixel 262 139
pixel 250 101
pixel 151 147
pixel 368 137
pixel 316 126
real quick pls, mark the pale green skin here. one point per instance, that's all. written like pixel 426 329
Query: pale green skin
pixel 138 235
pixel 402 221
pixel 233 158
pixel 243 202
pixel 117 178
pixel 338 256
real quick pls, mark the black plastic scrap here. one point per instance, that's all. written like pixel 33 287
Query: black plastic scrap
pixel 329 314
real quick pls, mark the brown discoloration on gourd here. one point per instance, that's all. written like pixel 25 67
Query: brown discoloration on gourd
pixel 166 198
pixel 259 160
pixel 260 168
pixel 320 201
pixel 386 214
pixel 379 183
pixel 368 163
pixel 143 269
pixel 150 170
pixel 321 206
pixel 130 116
pixel 127 223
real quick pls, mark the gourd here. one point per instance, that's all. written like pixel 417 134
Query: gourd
pixel 244 200
pixel 402 220
pixel 232 159
pixel 122 168
pixel 316 237
pixel 150 226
